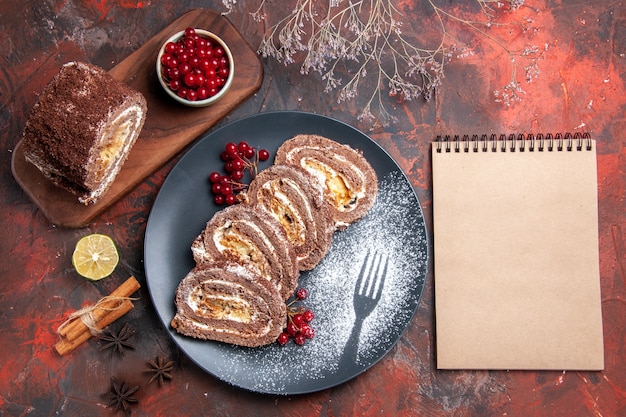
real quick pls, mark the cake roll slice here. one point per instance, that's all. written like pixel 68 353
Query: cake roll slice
pixel 229 303
pixel 293 197
pixel 82 128
pixel 253 238
pixel 349 182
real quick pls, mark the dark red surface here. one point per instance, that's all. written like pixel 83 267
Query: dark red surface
pixel 580 88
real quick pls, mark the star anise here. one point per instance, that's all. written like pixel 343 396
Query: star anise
pixel 118 342
pixel 121 396
pixel 161 369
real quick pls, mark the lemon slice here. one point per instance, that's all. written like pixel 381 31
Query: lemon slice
pixel 95 256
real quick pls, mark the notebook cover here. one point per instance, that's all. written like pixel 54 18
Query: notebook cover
pixel 516 256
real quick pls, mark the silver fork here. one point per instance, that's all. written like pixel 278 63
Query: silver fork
pixel 367 293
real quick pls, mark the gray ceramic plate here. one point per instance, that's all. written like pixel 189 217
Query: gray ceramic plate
pixel 345 343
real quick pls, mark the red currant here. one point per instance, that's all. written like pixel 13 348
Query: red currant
pixel 302 293
pixel 211 82
pixel 175 85
pixel 192 95
pixel 231 150
pixel 242 146
pixel 308 316
pixel 165 59
pixel 223 72
pixel 298 319
pixel 215 177
pixel 171 48
pixel 174 72
pixel 201 57
pixel 227 189
pixel 230 199
pixel 184 68
pixel 190 79
pixel 205 65
pixel 237 175
pixel 238 164
pixel 249 153
pixel 203 93
pixel 292 329
pixel 307 331
pixel 299 339
pixel 184 57
pixel 283 338
pixel 194 61
pixel 264 155
pixel 200 42
pixel 237 158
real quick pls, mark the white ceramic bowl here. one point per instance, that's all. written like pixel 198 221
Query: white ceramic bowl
pixel 200 102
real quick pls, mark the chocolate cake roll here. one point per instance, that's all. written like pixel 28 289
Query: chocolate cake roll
pixel 349 182
pixel 251 237
pixel 229 303
pixel 82 128
pixel 293 197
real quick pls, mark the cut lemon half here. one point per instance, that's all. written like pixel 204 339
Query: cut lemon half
pixel 95 256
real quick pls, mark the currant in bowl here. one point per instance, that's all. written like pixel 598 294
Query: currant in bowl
pixel 195 67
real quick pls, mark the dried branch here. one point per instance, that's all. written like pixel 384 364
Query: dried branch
pixel 366 38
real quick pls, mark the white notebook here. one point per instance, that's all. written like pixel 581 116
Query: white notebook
pixel 516 262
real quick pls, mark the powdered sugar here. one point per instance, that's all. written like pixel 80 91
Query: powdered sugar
pixel 395 227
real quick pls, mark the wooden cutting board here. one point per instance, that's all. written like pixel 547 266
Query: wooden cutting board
pixel 169 126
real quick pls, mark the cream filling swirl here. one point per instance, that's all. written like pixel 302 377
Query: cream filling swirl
pixel 286 212
pixel 207 306
pixel 344 194
pixel 220 306
pixel 227 240
pixel 117 136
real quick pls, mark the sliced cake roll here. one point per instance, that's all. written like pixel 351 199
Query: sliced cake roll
pixel 250 237
pixel 349 182
pixel 82 128
pixel 229 303
pixel 293 197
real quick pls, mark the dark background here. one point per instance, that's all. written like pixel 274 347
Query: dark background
pixel 579 88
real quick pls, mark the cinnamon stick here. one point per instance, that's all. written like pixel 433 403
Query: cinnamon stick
pixel 108 309
pixel 77 327
pixel 65 346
